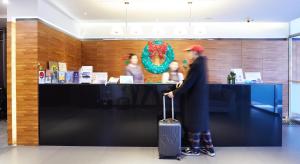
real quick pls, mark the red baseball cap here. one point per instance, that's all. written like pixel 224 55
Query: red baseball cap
pixel 196 48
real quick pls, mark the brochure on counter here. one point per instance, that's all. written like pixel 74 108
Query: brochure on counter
pixel 57 73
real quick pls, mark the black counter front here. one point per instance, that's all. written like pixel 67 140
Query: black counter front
pixel 127 115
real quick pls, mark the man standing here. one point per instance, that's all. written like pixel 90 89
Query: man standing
pixel 196 113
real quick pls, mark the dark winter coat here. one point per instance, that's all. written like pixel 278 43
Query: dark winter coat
pixel 194 91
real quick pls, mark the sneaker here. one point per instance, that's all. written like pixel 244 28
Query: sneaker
pixel 208 151
pixel 190 152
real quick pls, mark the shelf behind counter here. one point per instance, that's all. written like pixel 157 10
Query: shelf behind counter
pixel 128 114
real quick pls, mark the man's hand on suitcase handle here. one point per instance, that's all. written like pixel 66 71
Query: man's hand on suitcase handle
pixel 169 94
pixel 179 84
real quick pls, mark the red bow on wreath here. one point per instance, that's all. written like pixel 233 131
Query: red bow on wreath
pixel 157 49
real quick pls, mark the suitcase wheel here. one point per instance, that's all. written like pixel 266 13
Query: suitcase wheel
pixel 179 157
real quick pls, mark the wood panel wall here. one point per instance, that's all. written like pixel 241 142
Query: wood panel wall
pixel 36 43
pixel 26 82
pixel 270 57
pixel 108 56
pixel 55 45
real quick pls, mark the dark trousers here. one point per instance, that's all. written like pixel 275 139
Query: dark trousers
pixel 193 139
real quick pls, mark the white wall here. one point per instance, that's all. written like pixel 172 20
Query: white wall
pixel 22 9
pixel 295 26
pixel 42 10
pixel 183 30
pixel 53 16
pixel 3 12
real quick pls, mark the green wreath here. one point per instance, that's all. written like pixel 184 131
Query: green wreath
pixel 157 69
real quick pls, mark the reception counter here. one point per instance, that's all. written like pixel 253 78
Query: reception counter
pixel 127 115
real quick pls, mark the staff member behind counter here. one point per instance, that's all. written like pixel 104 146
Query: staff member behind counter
pixel 173 75
pixel 134 70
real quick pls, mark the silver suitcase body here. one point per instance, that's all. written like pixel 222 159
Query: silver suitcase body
pixel 169 133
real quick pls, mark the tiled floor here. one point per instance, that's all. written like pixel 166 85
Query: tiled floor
pixel 289 153
pixel 3 135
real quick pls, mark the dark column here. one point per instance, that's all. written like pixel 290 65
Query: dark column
pixel 3 72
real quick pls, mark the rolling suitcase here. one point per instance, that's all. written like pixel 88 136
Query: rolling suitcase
pixel 169 131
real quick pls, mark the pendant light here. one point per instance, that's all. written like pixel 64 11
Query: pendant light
pixel 190 3
pixel 126 16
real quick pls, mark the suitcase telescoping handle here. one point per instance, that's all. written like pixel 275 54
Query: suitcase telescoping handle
pixel 164 107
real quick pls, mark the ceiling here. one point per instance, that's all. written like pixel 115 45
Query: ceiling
pixel 179 10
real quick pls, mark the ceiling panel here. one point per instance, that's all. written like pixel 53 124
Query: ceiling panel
pixel 179 10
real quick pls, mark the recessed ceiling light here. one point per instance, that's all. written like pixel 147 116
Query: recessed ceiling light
pixel 158 31
pixel 136 31
pixel 117 30
pixel 5 1
pixel 180 31
pixel 199 30
pixel 249 20
pixel 208 18
pixel 85 13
